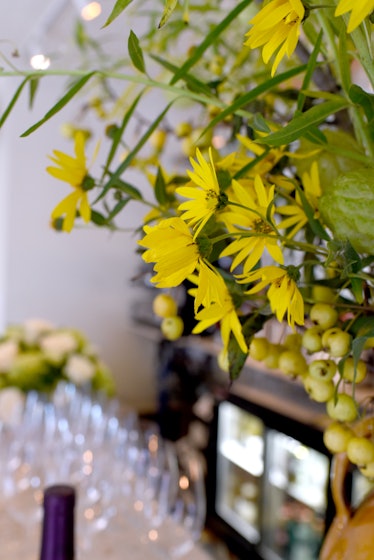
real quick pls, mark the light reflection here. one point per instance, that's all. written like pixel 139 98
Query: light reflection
pixel 153 535
pixel 184 482
pixel 40 62
pixel 91 11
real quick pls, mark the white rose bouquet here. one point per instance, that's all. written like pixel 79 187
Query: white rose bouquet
pixel 36 355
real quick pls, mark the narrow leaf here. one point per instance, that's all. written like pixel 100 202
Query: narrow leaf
pixel 118 207
pixel 119 133
pixel 13 101
pixel 315 225
pixel 118 8
pixel 209 40
pixel 302 123
pixel 128 159
pixel 363 98
pixel 193 83
pixel 309 71
pixel 168 10
pixel 136 53
pixel 61 103
pixel 34 83
pixel 254 93
pixel 160 188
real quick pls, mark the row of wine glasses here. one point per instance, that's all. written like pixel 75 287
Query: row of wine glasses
pixel 128 478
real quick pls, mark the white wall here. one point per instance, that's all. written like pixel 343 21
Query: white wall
pixel 81 279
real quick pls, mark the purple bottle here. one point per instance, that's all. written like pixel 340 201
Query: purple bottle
pixel 58 523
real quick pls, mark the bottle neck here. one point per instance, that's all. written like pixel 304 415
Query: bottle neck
pixel 58 523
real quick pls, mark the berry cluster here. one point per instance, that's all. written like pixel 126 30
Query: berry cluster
pixel 165 307
pixel 321 357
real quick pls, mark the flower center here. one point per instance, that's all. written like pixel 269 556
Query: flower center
pixel 260 226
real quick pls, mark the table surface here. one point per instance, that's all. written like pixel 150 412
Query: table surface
pixel 118 542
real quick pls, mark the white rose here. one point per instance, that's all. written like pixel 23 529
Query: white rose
pixel 33 328
pixel 12 402
pixel 8 353
pixel 57 344
pixel 79 369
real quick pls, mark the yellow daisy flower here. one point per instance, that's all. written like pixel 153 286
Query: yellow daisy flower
pixel 283 293
pixel 295 214
pixel 249 248
pixel 72 170
pixel 209 289
pixel 171 246
pixel 223 312
pixel 204 192
pixel 359 9
pixel 276 28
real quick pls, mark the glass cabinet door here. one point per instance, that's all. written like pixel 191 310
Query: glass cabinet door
pixel 295 499
pixel 240 466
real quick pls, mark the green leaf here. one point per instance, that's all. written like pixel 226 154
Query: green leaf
pixel 250 96
pixel 237 357
pixel 160 188
pixel 315 225
pixel 98 219
pixel 193 83
pixel 168 10
pixel 13 101
pixel 136 53
pixel 363 98
pixel 127 188
pixel 119 133
pixel 128 159
pixel 118 208
pixel 118 8
pixel 312 63
pixel 34 83
pixel 209 40
pixel 61 103
pixel 300 125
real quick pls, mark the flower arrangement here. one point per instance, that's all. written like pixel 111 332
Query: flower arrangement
pixel 257 177
pixel 36 355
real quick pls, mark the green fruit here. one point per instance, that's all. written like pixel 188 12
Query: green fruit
pixel 349 373
pixel 368 470
pixel 319 390
pixel 258 348
pixel 312 339
pixel 293 341
pixel 272 358
pixel 324 315
pixel 336 437
pixel 324 370
pixel 343 408
pixel 336 342
pixel 172 328
pixel 292 362
pixel 164 305
pixel 323 294
pixel 360 451
pixel 347 208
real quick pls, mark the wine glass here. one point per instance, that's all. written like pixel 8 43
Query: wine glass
pixel 179 509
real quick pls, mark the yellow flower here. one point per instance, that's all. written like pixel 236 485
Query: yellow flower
pixel 295 214
pixel 252 215
pixel 204 192
pixel 171 246
pixel 276 28
pixel 72 170
pixel 209 286
pixel 223 312
pixel 359 9
pixel 283 293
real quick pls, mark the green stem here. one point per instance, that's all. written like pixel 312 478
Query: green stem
pixel 359 124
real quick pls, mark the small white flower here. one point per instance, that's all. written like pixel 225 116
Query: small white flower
pixel 33 328
pixel 57 345
pixel 11 405
pixel 8 353
pixel 79 369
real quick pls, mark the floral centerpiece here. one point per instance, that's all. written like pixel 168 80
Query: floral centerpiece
pixel 36 355
pixel 266 205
